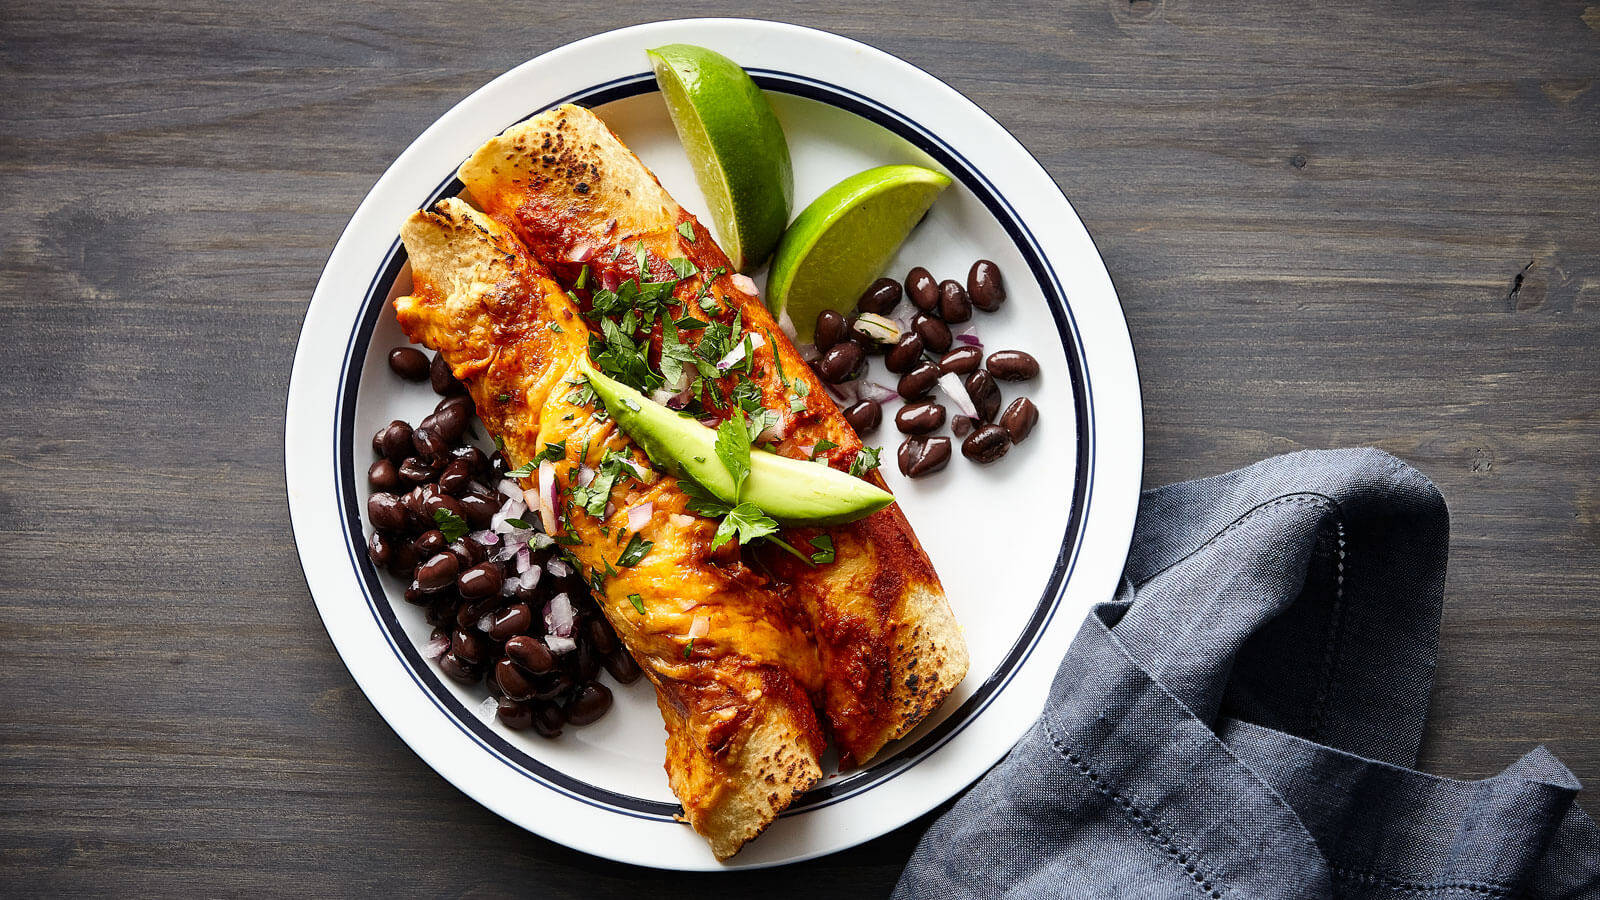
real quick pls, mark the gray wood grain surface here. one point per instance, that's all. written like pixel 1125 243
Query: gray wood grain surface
pixel 1330 224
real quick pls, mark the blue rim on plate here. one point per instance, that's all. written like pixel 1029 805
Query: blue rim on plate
pixel 882 770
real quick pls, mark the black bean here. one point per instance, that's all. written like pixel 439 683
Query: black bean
pixel 935 333
pixel 469 552
pixel 954 307
pixel 588 704
pixel 430 543
pixel 961 361
pixel 383 475
pixel 921 456
pixel 922 289
pixel 459 669
pixel 498 466
pixel 439 572
pixel 415 594
pixel 985 286
pixel 482 580
pixel 409 363
pixel 476 458
pixel 551 685
pixel 915 384
pixel 1019 418
pixel 841 362
pixel 429 444
pixel 1012 365
pixel 509 622
pixel 919 418
pixel 987 444
pixel 397 442
pixel 548 719
pixel 462 400
pixel 451 422
pixel 831 329
pixel 477 510
pixel 432 503
pixel 415 471
pixel 961 426
pixel 379 549
pixel 526 594
pixel 466 645
pixel 385 512
pixel 377 440
pixel 600 635
pixel 880 297
pixel 905 354
pixel 444 381
pixel 584 663
pixel 985 394
pixel 530 653
pixel 469 612
pixel 513 715
pixel 456 477
pixel 514 683
pixel 402 560
pixel 622 666
pixel 865 416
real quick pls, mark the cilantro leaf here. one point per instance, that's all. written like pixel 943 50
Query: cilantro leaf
pixel 525 470
pixel 635 551
pixel 687 230
pixel 688 648
pixel 824 545
pixel 682 267
pixel 583 277
pixel 453 526
pixel 638 603
pixel 518 523
pixel 865 461
pixel 555 451
pixel 701 501
pixel 821 447
pixel 747 522
pixel 733 449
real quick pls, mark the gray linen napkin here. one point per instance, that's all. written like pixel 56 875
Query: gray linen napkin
pixel 1244 719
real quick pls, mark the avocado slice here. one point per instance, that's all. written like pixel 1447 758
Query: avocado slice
pixel 791 491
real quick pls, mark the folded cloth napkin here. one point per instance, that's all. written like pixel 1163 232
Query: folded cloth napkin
pixel 1243 720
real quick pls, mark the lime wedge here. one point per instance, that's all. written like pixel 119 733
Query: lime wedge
pixel 735 144
pixel 842 241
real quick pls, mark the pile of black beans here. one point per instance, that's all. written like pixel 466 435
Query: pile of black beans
pixel 921 355
pixel 493 636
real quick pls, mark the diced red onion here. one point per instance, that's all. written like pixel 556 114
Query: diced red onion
pixel 700 627
pixel 509 488
pixel 559 616
pixel 845 394
pixel 950 384
pixel 871 390
pixel 611 509
pixel 882 329
pixel 609 279
pixel 809 450
pixel 710 422
pixel 580 253
pixel 777 431
pixel 436 646
pixel 743 283
pixel 639 515
pixel 786 325
pixel 509 550
pixel 585 475
pixel 970 338
pixel 640 473
pixel 808 353
pixel 559 645
pixel 527 580
pixel 485 620
pixel 540 541
pixel 547 496
pixel 485 537
pixel 524 560
pixel 509 586
pixel 487 709
pixel 734 356
pixel 559 567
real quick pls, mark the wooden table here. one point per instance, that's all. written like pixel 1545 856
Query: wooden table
pixel 1330 224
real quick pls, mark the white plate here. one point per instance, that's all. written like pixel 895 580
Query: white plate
pixel 1024 547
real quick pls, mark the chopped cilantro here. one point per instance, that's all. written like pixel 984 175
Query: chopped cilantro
pixel 503 396
pixel 583 277
pixel 682 267
pixel 824 545
pixel 518 523
pixel 822 446
pixel 747 522
pixel 635 551
pixel 688 648
pixel 453 526
pixel 554 451
pixel 865 461
pixel 687 230
pixel 554 327
pixel 525 470
pixel 638 603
